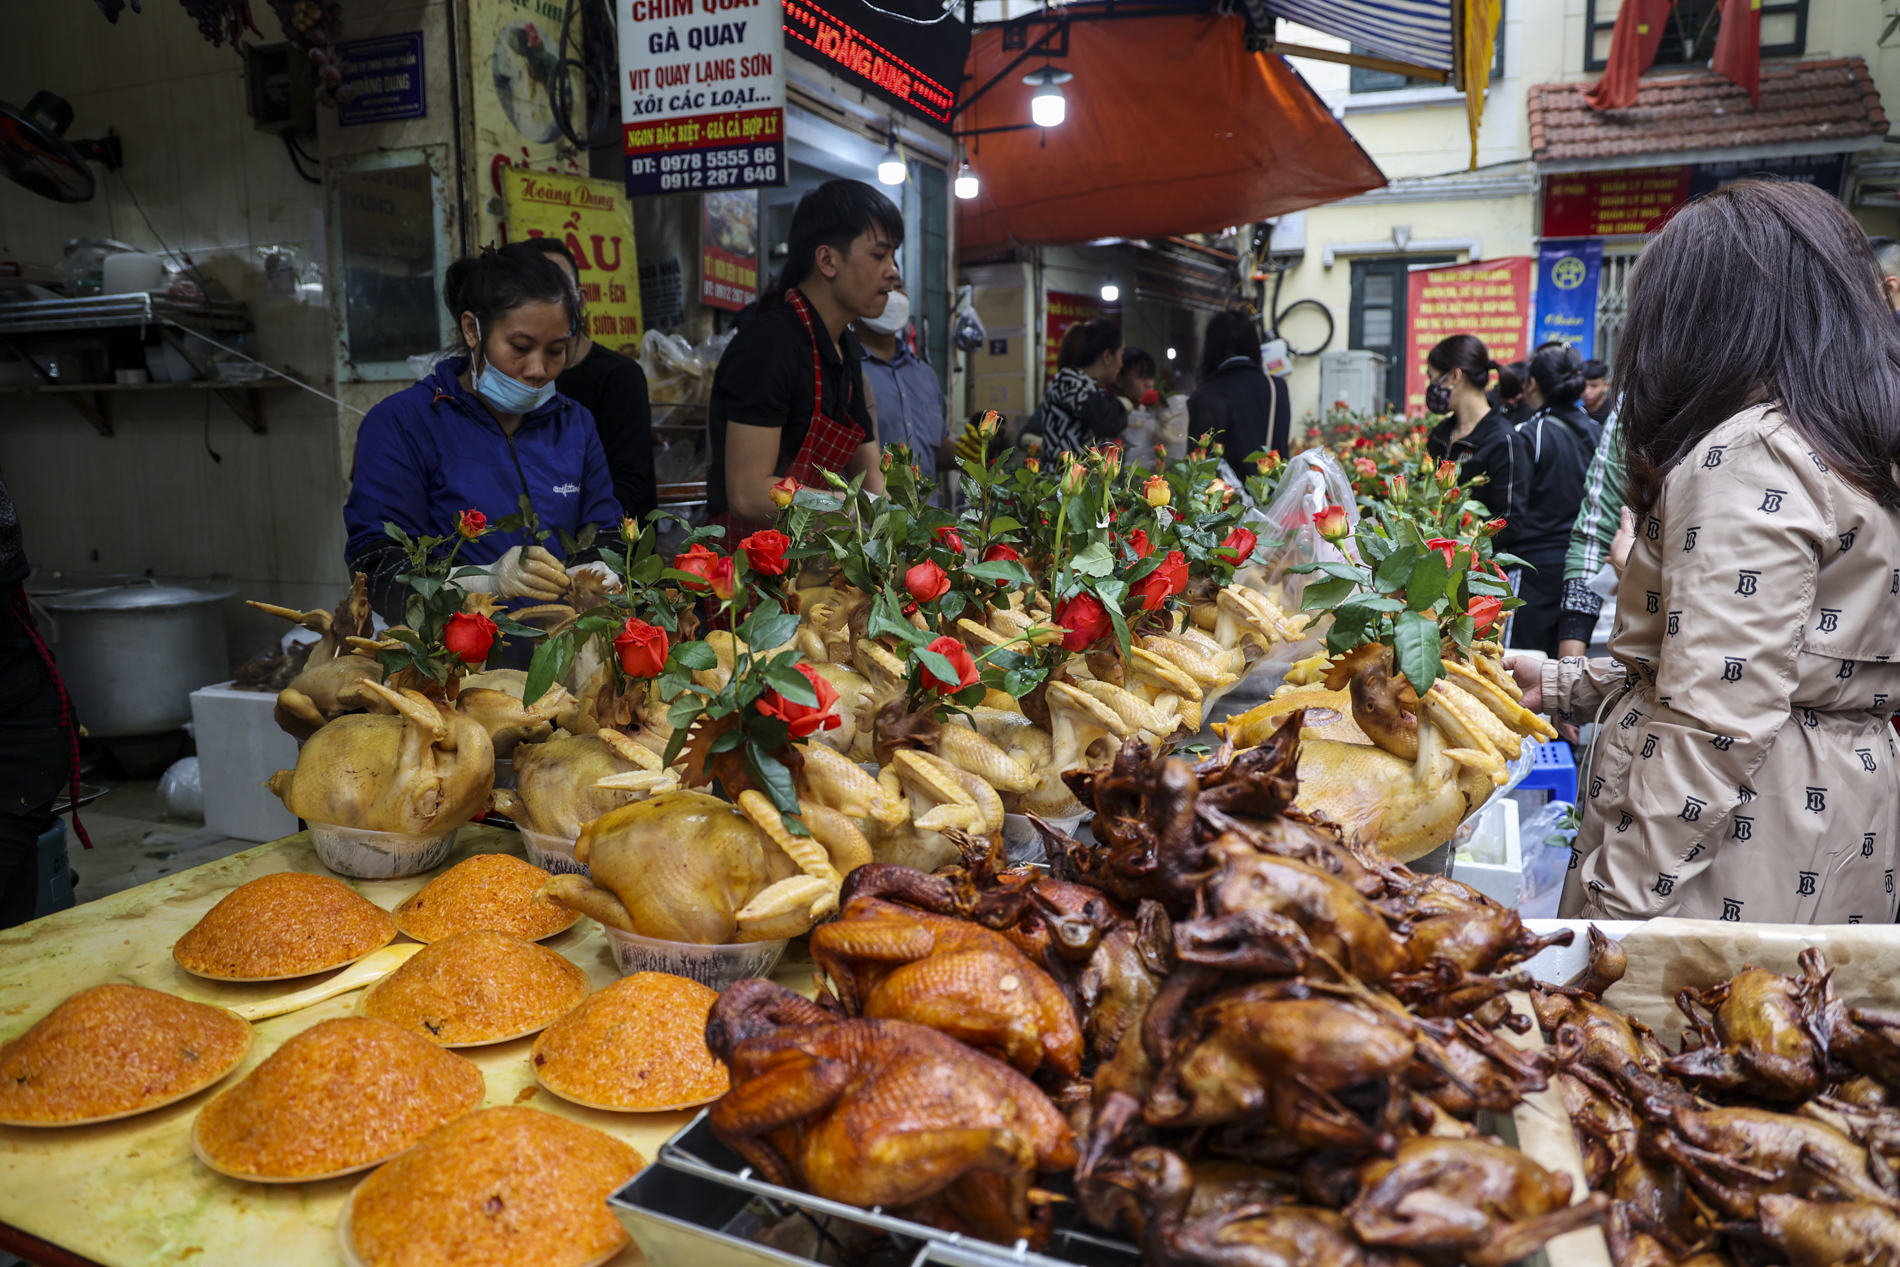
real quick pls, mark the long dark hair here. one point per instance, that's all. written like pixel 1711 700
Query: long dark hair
pixel 1463 352
pixel 1558 372
pixel 1084 342
pixel 833 215
pixel 1764 290
pixel 495 283
pixel 1229 334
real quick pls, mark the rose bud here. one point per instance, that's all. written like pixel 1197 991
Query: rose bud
pixel 1163 583
pixel 1332 524
pixel 1156 491
pixel 783 492
pixel 927 582
pixel 949 538
pixel 990 423
pixel 471 524
pixel 960 659
pixel 723 584
pixel 1238 548
pixel 641 648
pixel 468 636
pixel 698 561
pixel 765 551
pixel 1138 542
pixel 803 719
pixel 1085 619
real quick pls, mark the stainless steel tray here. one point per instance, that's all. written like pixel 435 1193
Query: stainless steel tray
pixel 699 1203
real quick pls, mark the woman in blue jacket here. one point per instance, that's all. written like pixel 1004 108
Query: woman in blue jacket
pixel 481 432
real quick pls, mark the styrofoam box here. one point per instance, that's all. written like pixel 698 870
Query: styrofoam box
pixel 239 747
pixel 1501 882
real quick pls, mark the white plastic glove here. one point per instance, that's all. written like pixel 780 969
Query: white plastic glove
pixel 597 569
pixel 523 572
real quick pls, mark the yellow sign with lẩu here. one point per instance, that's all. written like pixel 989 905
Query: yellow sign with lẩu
pixel 592 218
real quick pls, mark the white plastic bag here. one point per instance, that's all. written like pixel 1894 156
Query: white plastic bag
pixel 1546 836
pixel 182 790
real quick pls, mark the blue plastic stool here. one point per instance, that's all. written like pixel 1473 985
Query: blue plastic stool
pixel 54 888
pixel 1554 770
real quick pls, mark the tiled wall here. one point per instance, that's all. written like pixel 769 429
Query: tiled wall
pixel 151 497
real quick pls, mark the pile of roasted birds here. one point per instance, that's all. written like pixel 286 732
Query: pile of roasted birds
pixel 1228 1035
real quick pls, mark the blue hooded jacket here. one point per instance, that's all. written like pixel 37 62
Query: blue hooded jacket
pixel 433 450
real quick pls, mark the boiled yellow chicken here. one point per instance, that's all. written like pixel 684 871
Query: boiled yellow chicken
pixel 639 714
pixel 330 683
pixel 422 769
pixel 494 700
pixel 685 866
pixel 1393 769
pixel 568 781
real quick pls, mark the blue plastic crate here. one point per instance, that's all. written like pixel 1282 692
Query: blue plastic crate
pixel 1554 770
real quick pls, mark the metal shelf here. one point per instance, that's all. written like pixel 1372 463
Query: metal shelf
pixel 99 312
pixel 196 384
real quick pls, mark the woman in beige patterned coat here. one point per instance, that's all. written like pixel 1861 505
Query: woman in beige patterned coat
pixel 1745 767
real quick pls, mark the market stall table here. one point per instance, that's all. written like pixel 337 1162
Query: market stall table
pixel 130 1192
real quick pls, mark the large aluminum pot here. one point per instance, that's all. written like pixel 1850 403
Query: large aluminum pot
pixel 131 655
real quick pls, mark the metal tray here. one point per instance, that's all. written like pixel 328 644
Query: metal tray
pixel 698 1202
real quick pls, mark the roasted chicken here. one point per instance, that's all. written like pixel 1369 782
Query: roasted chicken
pixel 883 1113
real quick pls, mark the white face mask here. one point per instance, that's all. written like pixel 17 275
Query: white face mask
pixel 896 315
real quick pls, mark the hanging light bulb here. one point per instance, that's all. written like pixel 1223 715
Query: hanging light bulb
pixel 1111 292
pixel 1048 108
pixel 966 182
pixel 890 168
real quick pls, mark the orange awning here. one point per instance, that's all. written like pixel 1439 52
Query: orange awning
pixel 1173 127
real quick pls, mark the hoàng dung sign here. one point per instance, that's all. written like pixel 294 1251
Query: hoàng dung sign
pixel 592 218
pixel 702 94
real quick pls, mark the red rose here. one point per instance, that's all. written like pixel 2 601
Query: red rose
pixel 960 659
pixel 468 636
pixel 926 582
pixel 1138 542
pixel 721 578
pixel 950 539
pixel 1086 620
pixel 803 719
pixel 641 648
pixel 1445 546
pixel 1164 582
pixel 699 561
pixel 1484 611
pixel 1238 547
pixel 1000 553
pixel 471 524
pixel 1150 397
pixel 765 551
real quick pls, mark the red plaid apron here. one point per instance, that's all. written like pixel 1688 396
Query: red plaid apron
pixel 828 446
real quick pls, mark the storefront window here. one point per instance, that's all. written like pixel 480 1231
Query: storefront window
pixel 389 249
pixel 1377 323
pixel 1367 80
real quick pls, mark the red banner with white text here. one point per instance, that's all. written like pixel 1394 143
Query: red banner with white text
pixel 1491 299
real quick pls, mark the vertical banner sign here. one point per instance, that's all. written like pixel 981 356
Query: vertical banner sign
pixel 593 219
pixel 1491 299
pixel 1065 310
pixel 1567 275
pixel 729 249
pixel 702 94
pixel 514 48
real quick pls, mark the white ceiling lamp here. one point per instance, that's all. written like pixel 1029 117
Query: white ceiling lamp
pixel 1111 292
pixel 890 168
pixel 966 182
pixel 1170 354
pixel 1048 107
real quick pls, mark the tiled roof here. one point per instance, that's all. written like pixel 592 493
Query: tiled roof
pixel 1826 100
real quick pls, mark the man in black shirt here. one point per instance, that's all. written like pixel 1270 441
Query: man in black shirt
pixel 613 388
pixel 788 397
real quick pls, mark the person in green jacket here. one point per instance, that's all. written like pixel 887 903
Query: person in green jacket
pixel 1593 542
